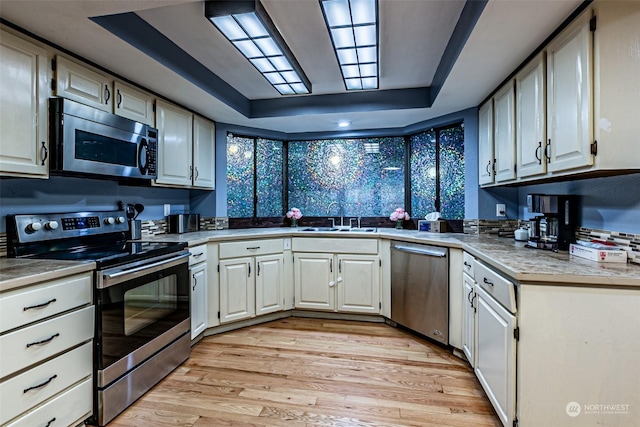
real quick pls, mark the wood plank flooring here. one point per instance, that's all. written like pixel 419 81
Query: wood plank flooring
pixel 299 372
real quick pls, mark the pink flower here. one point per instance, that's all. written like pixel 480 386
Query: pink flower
pixel 399 213
pixel 294 213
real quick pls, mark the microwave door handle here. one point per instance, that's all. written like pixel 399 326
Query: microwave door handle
pixel 121 275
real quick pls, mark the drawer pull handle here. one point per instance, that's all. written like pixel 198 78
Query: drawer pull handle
pixel 488 282
pixel 50 421
pixel 198 255
pixel 466 264
pixel 253 248
pixel 44 341
pixel 40 385
pixel 44 304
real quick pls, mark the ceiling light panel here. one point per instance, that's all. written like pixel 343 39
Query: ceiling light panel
pixel 353 27
pixel 248 27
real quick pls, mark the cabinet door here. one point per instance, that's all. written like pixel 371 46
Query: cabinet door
pixel 469 315
pixel 504 133
pixel 76 82
pixel 269 284
pixel 237 289
pixel 133 104
pixel 204 153
pixel 198 299
pixel 23 116
pixel 485 143
pixel 569 98
pixel 314 281
pixel 496 355
pixel 358 284
pixel 175 138
pixel 530 119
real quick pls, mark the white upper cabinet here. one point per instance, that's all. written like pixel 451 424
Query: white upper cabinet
pixel 204 153
pixel 485 143
pixel 504 133
pixel 531 134
pixel 175 144
pixel 24 91
pixel 570 97
pixel 78 83
pixel 617 84
pixel 133 104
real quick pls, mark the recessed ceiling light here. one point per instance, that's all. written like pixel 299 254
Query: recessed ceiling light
pixel 344 124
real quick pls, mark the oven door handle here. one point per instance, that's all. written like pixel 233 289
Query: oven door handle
pixel 122 274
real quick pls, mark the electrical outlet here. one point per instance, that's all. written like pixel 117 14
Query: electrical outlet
pixel 167 209
pixel 501 209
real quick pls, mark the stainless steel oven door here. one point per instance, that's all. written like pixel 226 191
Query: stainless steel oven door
pixel 140 308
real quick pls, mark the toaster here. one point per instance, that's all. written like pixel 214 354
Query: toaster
pixel 183 223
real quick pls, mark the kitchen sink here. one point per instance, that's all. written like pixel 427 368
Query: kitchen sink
pixel 331 229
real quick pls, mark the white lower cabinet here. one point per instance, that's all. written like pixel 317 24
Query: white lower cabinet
pixel 253 284
pixel 199 286
pixel 469 319
pixel 337 282
pixel 495 340
pixel 46 352
pixel 269 284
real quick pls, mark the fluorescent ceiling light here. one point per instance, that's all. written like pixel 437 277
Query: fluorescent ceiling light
pixel 344 124
pixel 353 27
pixel 246 24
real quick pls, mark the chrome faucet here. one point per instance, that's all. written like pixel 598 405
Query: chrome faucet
pixel 341 213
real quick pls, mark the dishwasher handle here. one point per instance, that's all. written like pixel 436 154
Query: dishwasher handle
pixel 434 252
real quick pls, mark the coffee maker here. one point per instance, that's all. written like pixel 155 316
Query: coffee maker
pixel 555 228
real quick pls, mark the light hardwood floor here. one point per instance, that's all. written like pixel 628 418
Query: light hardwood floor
pixel 309 372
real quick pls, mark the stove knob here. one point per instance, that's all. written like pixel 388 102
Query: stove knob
pixel 120 220
pixel 109 220
pixel 33 227
pixel 51 225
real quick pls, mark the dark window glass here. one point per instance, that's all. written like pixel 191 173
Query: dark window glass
pixel 269 163
pixel 240 177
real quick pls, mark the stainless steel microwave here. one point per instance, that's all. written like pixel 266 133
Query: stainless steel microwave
pixel 85 140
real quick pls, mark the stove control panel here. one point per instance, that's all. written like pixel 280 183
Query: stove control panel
pixel 43 227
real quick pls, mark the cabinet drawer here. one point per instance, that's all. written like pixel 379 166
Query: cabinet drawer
pixel 36 385
pixel 250 248
pixel 68 409
pixel 23 306
pixel 468 262
pixel 337 245
pixel 497 286
pixel 198 254
pixel 32 344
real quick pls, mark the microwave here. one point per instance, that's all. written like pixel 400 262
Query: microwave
pixel 85 140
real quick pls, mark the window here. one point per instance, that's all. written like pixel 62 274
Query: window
pixel 437 172
pixel 254 177
pixel 364 176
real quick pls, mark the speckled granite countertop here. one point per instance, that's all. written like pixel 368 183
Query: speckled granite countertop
pixel 512 258
pixel 15 273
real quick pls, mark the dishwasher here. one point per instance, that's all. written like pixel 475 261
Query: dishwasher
pixel 420 289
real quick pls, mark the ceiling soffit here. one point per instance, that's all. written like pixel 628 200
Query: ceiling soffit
pixel 135 30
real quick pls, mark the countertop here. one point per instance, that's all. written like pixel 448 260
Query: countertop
pixel 511 258
pixel 16 272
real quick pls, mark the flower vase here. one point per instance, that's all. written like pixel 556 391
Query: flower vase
pixel 399 224
pixel 294 223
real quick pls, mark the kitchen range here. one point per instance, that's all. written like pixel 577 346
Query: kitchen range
pixel 141 298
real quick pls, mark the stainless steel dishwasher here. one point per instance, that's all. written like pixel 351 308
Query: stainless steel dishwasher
pixel 420 289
